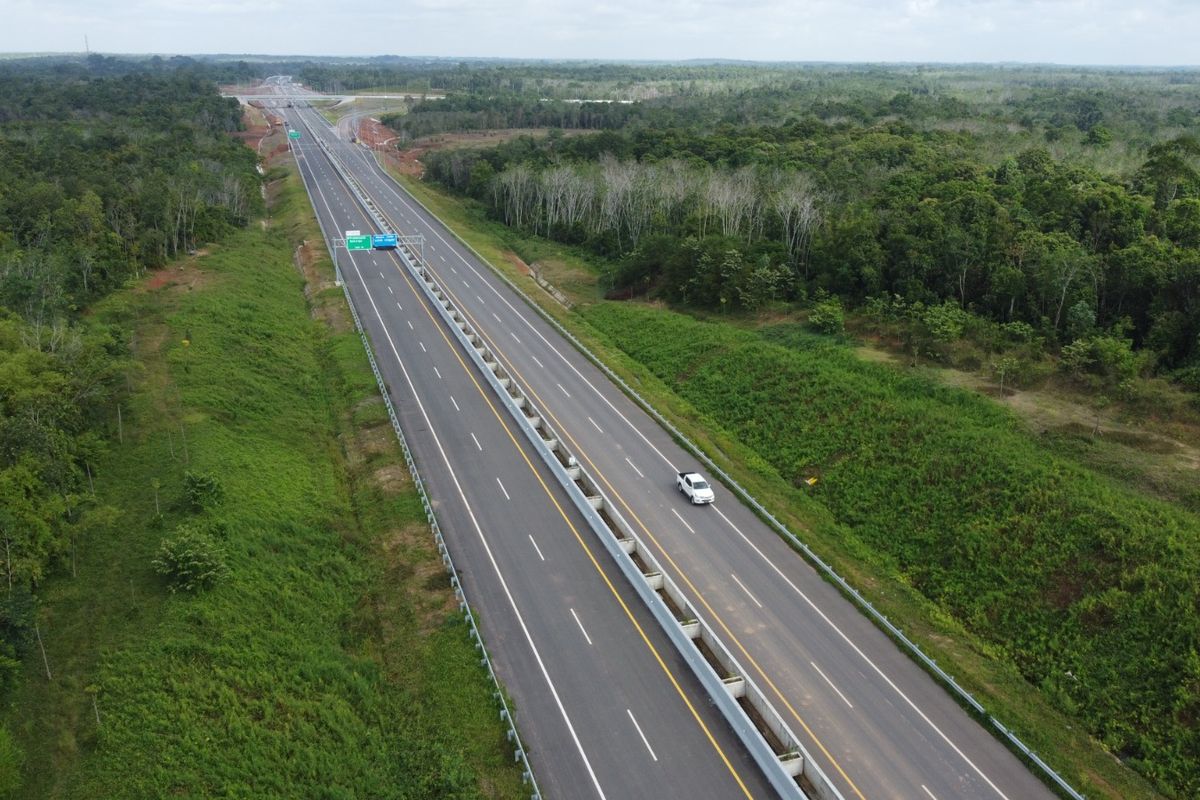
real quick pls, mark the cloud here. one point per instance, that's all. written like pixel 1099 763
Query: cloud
pixel 1062 31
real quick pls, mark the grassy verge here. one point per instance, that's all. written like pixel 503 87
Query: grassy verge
pixel 329 662
pixel 981 666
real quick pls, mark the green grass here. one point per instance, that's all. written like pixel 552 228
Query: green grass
pixel 330 662
pixel 985 668
pixel 1085 587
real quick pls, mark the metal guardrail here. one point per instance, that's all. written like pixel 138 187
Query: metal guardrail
pixel 506 715
pixel 914 650
pixel 546 442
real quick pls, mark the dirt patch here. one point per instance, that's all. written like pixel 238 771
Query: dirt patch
pixel 316 282
pixel 413 563
pixel 391 478
pixel 258 124
pixel 407 159
pixel 877 356
pixel 186 276
pixel 1044 411
pixel 516 261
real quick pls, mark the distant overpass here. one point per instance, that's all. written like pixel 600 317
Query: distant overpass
pixel 339 97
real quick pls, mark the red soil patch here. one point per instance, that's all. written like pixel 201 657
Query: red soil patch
pixel 407 160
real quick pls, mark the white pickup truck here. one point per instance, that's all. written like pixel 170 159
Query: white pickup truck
pixel 695 487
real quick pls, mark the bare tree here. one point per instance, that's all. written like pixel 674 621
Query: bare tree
pixel 579 198
pixel 515 193
pixel 795 202
pixel 733 199
pixel 555 186
pixel 617 180
pixel 676 187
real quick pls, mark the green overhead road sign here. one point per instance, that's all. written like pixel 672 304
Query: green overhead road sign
pixel 358 242
pixel 293 134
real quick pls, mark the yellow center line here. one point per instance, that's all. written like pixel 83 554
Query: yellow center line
pixel 504 423
pixel 562 430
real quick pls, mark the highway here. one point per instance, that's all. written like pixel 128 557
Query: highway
pixel 604 704
pixel 880 725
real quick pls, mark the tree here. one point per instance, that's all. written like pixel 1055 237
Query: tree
pixel 827 316
pixel 795 201
pixel 190 560
pixel 1168 167
pixel 202 491
pixel 1058 266
pixel 1005 368
pixel 28 511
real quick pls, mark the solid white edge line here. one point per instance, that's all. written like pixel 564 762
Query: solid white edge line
pixel 744 589
pixel 639 730
pixel 831 686
pixel 479 531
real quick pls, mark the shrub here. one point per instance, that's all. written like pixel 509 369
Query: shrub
pixel 191 560
pixel 1109 358
pixel 1077 357
pixel 202 490
pixel 827 316
pixel 1018 332
pixel 1188 378
pixel 946 322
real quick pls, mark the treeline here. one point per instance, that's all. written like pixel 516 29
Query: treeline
pixel 535 78
pixel 744 215
pixel 102 178
pixel 107 177
pixel 475 112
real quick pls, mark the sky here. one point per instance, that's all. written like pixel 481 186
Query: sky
pixel 1128 32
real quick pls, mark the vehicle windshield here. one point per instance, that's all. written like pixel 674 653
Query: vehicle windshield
pixel 699 485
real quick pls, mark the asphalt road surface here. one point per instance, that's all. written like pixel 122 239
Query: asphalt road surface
pixel 605 705
pixel 878 724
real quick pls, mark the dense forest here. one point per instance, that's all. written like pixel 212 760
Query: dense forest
pixel 874 203
pixel 1042 217
pixel 106 170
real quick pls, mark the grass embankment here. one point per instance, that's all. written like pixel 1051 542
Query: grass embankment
pixel 1086 588
pixel 330 661
pixel 1026 576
